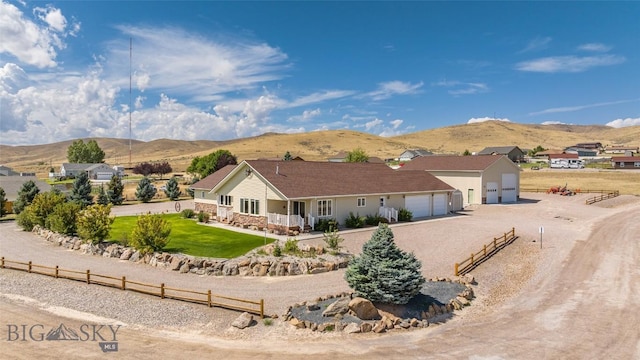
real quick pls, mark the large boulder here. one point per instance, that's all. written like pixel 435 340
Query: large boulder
pixel 340 306
pixel 363 309
pixel 243 321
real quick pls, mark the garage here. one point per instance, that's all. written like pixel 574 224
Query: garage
pixel 419 205
pixel 492 193
pixel 509 192
pixel 439 204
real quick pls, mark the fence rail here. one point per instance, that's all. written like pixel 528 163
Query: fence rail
pixel 487 251
pixel 606 196
pixel 162 291
pixel 582 191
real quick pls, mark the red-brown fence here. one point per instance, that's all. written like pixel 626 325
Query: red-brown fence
pixel 162 291
pixel 487 251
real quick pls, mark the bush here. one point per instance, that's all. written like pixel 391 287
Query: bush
pixel 277 250
pixel 63 218
pixel 374 220
pixel 26 219
pixel 203 217
pixel 188 213
pixel 332 239
pixel 383 272
pixel 405 215
pixel 94 223
pixel 326 225
pixel 150 234
pixel 268 321
pixel 354 221
pixel 291 247
pixel 3 200
pixel 44 204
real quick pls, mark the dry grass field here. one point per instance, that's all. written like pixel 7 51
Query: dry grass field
pixel 320 145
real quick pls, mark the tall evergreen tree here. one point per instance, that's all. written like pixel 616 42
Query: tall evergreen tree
pixel 3 200
pixel 27 193
pixel 383 272
pixel 172 190
pixel 81 192
pixel 115 190
pixel 145 190
pixel 103 198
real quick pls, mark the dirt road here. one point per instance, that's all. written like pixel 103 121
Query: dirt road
pixel 576 298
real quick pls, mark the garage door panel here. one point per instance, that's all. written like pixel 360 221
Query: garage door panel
pixel 492 193
pixel 439 204
pixel 509 186
pixel 419 205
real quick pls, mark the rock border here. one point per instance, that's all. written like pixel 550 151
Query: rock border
pixel 252 264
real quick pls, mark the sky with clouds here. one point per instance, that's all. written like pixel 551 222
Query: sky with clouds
pixel 219 70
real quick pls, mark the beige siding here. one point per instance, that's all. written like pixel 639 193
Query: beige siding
pixel 464 181
pixel 494 174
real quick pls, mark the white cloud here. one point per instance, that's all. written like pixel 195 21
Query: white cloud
pixel 31 43
pixel 462 88
pixel 372 124
pixel 483 119
pixel 596 47
pixel 306 115
pixel 554 123
pixel 388 89
pixel 52 17
pixel 319 97
pixel 396 123
pixel 539 43
pixel 618 123
pixel 580 107
pixel 570 64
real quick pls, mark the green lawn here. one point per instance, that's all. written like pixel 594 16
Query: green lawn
pixel 189 237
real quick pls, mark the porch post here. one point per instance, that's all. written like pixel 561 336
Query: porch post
pixel 288 213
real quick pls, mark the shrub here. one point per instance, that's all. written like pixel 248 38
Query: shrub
pixel 326 225
pixel 203 217
pixel 268 321
pixel 43 205
pixel 94 223
pixel 63 218
pixel 26 219
pixel 333 240
pixel 383 272
pixel 150 234
pixel 354 221
pixel 374 220
pixel 115 190
pixel 3 200
pixel 188 213
pixel 277 250
pixel 405 215
pixel 291 247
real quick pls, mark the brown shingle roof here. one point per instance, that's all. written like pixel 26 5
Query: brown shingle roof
pixel 303 179
pixel 212 180
pixel 452 162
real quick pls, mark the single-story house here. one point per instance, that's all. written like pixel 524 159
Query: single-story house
pixel 626 162
pixel 294 195
pixel 482 179
pixel 7 171
pixel 12 185
pixel 339 157
pixel 99 171
pixel 589 145
pixel 581 151
pixel 562 156
pixel 514 153
pixel 621 149
pixel 411 154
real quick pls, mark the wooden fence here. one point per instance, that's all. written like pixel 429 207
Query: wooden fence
pixel 122 283
pixel 488 251
pixel 606 196
pixel 578 191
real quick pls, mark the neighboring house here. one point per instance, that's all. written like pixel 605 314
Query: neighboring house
pixel 7 171
pixel 411 154
pixel 13 184
pixel 339 157
pixel 290 196
pixel 562 156
pixel 626 162
pixel 621 149
pixel 99 171
pixel 589 145
pixel 582 152
pixel 514 153
pixel 482 179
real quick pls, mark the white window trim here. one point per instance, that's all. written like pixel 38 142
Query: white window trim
pixel 361 202
pixel 327 209
pixel 226 200
pixel 250 206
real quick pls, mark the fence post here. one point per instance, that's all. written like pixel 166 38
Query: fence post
pixel 88 277
pixel 261 308
pixel 456 269
pixel 513 232
pixel 2 263
pixel 29 268
pixel 162 291
pixel 124 283
pixel 495 243
pixel 471 258
pixel 209 298
pixel 485 249
pixel 57 270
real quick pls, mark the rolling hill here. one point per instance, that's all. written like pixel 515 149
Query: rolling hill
pixel 319 145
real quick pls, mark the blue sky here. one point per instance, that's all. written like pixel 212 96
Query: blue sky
pixel 220 70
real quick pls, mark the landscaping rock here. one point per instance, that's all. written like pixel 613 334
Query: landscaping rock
pixel 341 306
pixel 352 328
pixel 243 321
pixel 364 309
pixel 126 254
pixel 366 327
pixel 184 268
pixel 175 264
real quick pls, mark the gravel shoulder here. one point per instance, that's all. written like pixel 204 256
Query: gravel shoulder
pixel 545 299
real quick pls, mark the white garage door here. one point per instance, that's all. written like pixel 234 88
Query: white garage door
pixel 492 193
pixel 509 188
pixel 103 176
pixel 419 205
pixel 440 204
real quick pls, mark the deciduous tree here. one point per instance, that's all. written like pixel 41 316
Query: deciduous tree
pixel 90 153
pixel 356 155
pixel 207 165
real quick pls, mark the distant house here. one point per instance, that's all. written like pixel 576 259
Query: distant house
pixel 482 179
pixel 289 196
pixel 339 157
pixel 589 145
pixel 99 171
pixel 626 162
pixel 566 156
pixel 411 154
pixel 514 153
pixel 13 183
pixel 582 152
pixel 7 171
pixel 621 149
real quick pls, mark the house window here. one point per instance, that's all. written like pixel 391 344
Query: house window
pixel 362 202
pixel 224 200
pixel 622 164
pixel 202 194
pixel 325 208
pixel 249 206
pixel 636 164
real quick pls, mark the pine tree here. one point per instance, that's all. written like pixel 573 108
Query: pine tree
pixel 81 192
pixel 115 190
pixel 172 190
pixel 383 272
pixel 145 191
pixel 103 198
pixel 27 193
